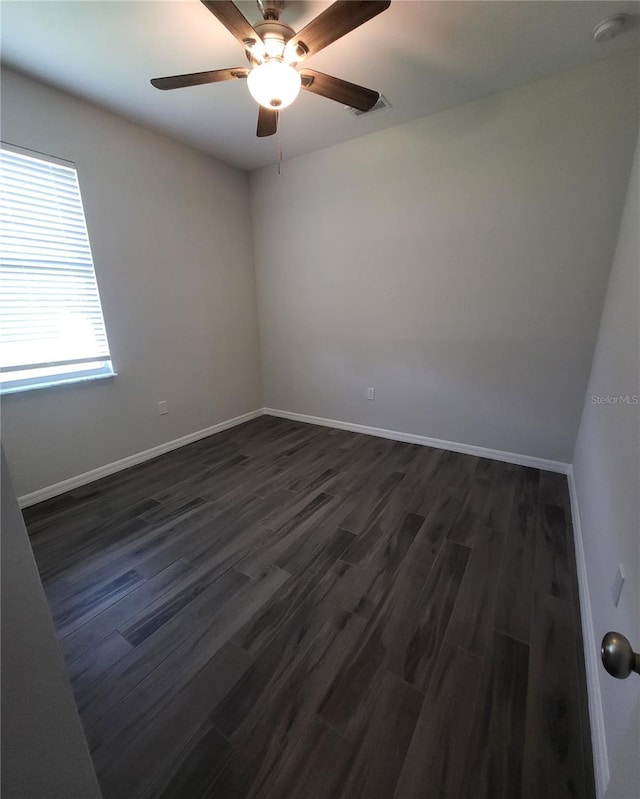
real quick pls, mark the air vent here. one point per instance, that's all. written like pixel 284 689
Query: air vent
pixel 382 103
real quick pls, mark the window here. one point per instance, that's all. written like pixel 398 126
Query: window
pixel 51 325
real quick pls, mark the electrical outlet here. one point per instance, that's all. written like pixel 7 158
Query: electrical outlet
pixel 371 393
pixel 616 588
pixel 162 407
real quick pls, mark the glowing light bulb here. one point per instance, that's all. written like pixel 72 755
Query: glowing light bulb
pixel 273 48
pixel 274 85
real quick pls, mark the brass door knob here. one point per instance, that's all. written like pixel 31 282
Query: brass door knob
pixel 618 657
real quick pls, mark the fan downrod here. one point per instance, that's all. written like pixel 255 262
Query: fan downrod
pixel 271 9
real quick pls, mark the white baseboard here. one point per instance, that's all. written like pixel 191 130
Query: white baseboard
pixel 410 438
pixel 132 460
pixel 596 715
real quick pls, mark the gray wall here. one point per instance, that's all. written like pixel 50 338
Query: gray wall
pixel 44 752
pixel 607 476
pixel 456 263
pixel 171 241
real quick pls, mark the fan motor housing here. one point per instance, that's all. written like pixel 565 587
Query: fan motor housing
pixel 271 29
pixel 274 29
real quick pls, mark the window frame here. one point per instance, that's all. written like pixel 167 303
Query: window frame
pixel 60 372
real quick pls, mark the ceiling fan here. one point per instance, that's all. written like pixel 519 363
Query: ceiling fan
pixel 274 51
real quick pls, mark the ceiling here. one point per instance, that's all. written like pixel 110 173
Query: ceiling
pixel 423 56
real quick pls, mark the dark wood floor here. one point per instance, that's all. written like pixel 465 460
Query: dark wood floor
pixel 287 611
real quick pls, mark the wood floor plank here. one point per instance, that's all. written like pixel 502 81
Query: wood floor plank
pixel 99 627
pixel 110 501
pixel 69 616
pixel 464 525
pixel 379 523
pixel 143 659
pixel 54 535
pixel 268 736
pixel 173 544
pixel 438 749
pixel 314 512
pixel 120 726
pixel 235 480
pixel 112 560
pixel 293 550
pixel 443 512
pixel 87 543
pixel 45 512
pixel 204 757
pixel 374 770
pixel 554 490
pixel 190 487
pixel 515 586
pixel 295 600
pixel 204 533
pixel 551 574
pixel 151 761
pixel 175 508
pixel 168 604
pixel 298 554
pixel 497 510
pixel 404 638
pixel 300 509
pixel 415 644
pixel 379 505
pixel 553 764
pixel 314 768
pixel 472 621
pixel 370 582
pixel 278 646
pixel 420 472
pixel 85 671
pixel 371 474
pixel 239 547
pixel 585 721
pixel 451 470
pixel 493 768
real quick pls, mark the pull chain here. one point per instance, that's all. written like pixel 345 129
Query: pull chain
pixel 279 150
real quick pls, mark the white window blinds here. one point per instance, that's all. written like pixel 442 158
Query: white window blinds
pixel 51 325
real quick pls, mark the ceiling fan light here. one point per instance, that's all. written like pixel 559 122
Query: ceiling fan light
pixel 292 53
pixel 274 48
pixel 274 85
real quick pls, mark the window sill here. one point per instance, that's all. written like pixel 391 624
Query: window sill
pixel 4 392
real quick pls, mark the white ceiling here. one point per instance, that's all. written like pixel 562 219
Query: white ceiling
pixel 423 56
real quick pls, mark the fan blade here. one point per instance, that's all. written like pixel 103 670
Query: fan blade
pixel 234 21
pixel 339 90
pixel 199 78
pixel 267 121
pixel 336 21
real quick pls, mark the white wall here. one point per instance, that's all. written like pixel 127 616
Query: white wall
pixel 36 694
pixel 171 241
pixel 456 263
pixel 607 478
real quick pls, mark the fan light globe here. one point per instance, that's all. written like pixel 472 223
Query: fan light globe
pixel 274 85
